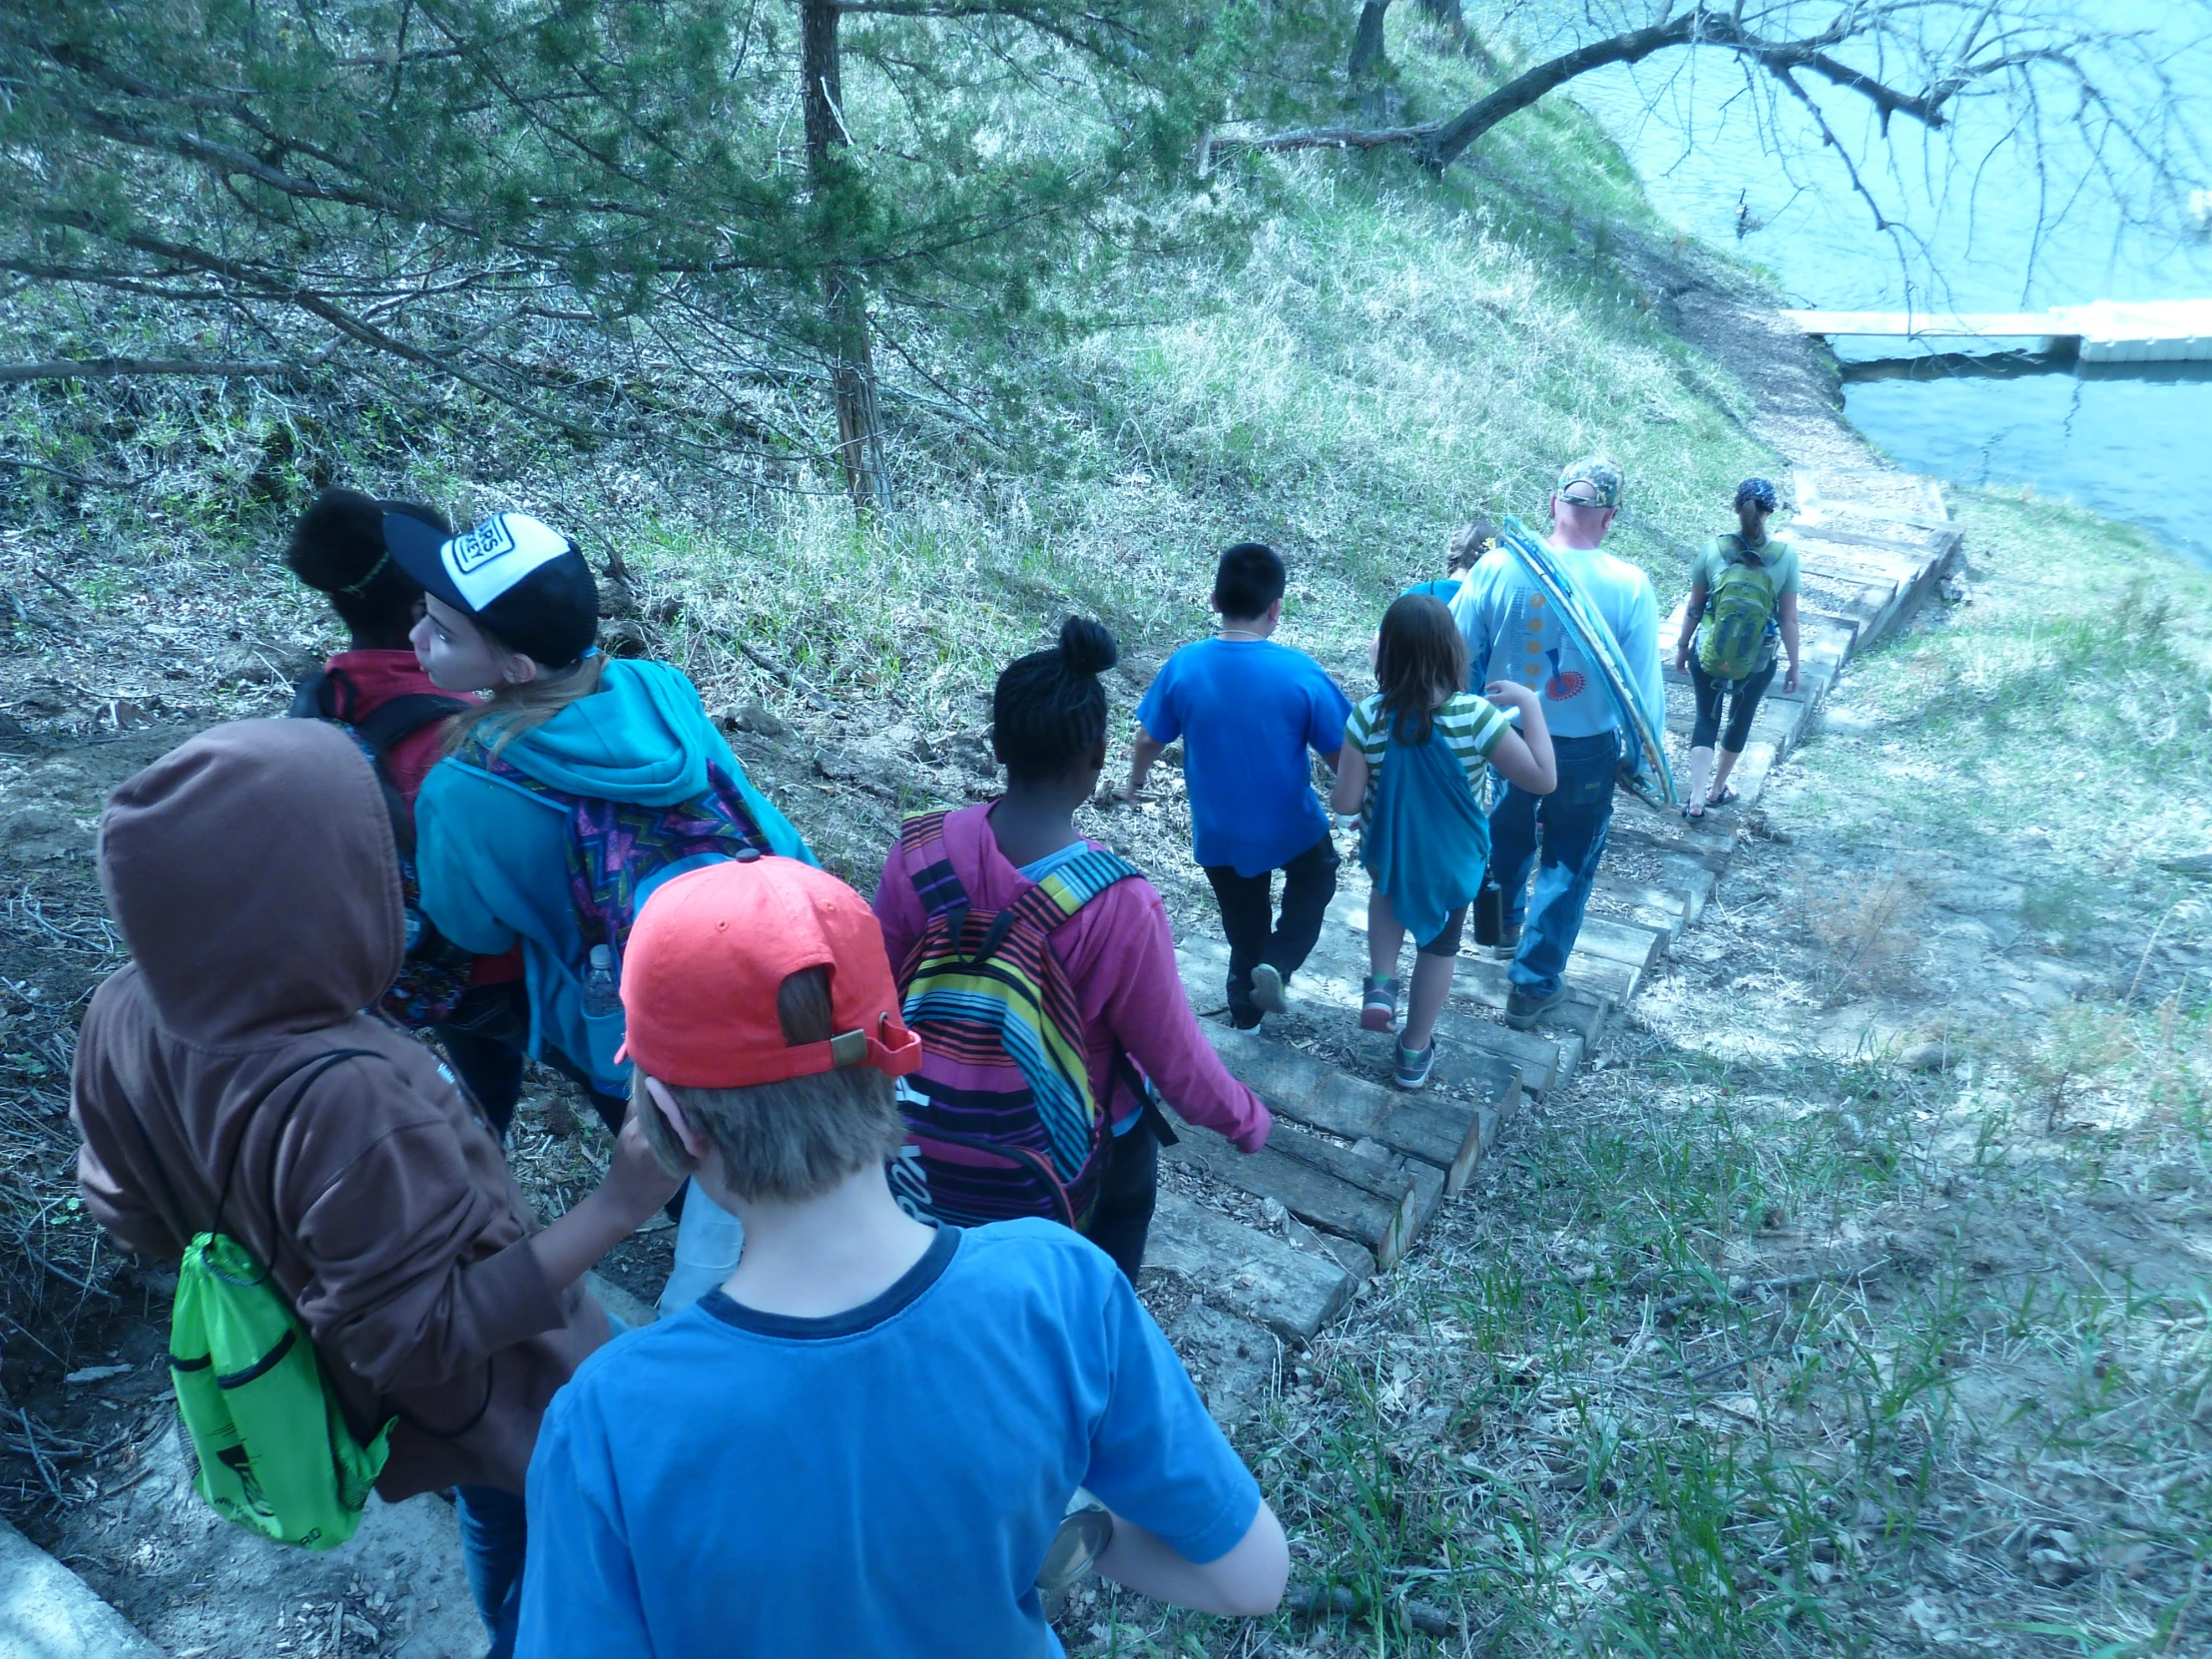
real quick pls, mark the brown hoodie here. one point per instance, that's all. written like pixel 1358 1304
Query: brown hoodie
pixel 252 874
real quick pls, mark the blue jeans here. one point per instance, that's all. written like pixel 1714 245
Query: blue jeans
pixel 492 1536
pixel 1568 826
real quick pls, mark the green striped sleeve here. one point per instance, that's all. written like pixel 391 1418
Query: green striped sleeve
pixel 1364 731
pixel 1473 727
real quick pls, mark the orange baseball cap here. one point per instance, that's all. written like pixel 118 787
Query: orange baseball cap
pixel 711 949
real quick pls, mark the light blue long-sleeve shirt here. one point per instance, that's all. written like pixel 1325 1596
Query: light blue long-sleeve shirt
pixel 1512 634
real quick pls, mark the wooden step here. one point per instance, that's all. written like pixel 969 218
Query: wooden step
pixel 1442 1131
pixel 1593 982
pixel 1865 487
pixel 1621 942
pixel 1245 1272
pixel 1895 539
pixel 1322 1184
pixel 1330 980
pixel 1232 1360
pixel 1662 910
pixel 1691 877
pixel 1595 988
pixel 1886 573
pixel 1355 1259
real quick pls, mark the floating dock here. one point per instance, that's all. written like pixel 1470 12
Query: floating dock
pixel 2104 331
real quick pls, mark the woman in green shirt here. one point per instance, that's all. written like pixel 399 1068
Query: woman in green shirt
pixel 1748 582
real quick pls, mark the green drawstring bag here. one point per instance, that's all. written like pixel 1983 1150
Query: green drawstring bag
pixel 275 1454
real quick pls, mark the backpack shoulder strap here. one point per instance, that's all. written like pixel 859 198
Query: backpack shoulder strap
pixel 1054 900
pixel 311 699
pixel 401 718
pixel 929 864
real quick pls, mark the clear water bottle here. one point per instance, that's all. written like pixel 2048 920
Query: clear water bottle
pixel 601 998
pixel 709 1241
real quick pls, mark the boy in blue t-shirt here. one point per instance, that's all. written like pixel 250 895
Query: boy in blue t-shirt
pixel 1247 710
pixel 866 1441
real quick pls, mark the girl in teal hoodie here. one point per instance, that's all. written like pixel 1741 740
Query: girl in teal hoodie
pixel 512 610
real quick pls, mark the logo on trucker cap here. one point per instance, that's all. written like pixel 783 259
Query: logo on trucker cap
pixel 491 559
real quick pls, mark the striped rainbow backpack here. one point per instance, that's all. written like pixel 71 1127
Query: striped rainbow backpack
pixel 1000 1117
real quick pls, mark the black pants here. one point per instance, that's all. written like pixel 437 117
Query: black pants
pixel 1248 918
pixel 1128 1188
pixel 486 1037
pixel 1743 704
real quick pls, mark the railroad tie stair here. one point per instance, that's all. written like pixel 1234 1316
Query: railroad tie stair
pixel 1354 1169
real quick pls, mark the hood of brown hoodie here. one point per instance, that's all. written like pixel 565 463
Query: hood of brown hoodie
pixel 252 872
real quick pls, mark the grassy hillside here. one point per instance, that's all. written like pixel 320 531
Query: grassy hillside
pixel 1338 354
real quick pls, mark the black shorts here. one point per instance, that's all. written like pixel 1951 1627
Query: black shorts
pixel 1446 943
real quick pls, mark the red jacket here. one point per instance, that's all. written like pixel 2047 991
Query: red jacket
pixel 363 682
pixel 1120 957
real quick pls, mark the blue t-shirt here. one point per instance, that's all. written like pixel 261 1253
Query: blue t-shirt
pixel 882 1482
pixel 1247 712
pixel 1444 589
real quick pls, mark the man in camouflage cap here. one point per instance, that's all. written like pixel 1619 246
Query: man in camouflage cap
pixel 1593 481
pixel 1512 634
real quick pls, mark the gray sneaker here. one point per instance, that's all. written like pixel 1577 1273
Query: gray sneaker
pixel 1523 1010
pixel 1267 990
pixel 1508 943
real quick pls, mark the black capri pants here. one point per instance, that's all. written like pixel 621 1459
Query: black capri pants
pixel 1743 704
pixel 1447 941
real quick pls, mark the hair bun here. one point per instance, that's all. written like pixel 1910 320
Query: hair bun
pixel 337 541
pixel 1086 647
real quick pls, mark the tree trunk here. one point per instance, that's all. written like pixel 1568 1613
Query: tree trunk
pixel 1366 39
pixel 852 372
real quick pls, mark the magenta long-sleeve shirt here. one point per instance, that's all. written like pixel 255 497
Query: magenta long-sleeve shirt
pixel 1120 957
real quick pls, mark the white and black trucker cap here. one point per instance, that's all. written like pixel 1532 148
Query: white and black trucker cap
pixel 520 577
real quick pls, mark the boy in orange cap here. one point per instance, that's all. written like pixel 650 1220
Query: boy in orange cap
pixel 864 1442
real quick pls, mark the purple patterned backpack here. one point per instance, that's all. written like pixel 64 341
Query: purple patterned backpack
pixel 616 847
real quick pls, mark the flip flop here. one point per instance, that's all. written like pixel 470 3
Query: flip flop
pixel 1722 799
pixel 1693 809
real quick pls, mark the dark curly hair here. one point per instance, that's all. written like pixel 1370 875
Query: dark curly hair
pixel 1049 712
pixel 338 548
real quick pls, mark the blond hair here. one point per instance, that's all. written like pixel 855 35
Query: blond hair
pixel 513 710
pixel 791 1140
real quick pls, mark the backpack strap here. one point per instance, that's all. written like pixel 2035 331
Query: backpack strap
pixel 1053 901
pixel 395 721
pixel 1065 890
pixel 929 864
pixel 312 697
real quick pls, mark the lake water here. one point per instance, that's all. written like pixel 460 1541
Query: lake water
pixel 1719 153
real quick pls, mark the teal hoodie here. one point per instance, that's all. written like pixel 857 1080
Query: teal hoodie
pixel 492 855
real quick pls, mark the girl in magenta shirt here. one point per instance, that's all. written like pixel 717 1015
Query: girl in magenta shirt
pixel 1048 729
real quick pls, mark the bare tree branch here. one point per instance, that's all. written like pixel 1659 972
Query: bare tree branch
pixel 109 368
pixel 1983 58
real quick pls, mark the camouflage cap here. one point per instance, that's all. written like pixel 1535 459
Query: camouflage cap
pixel 1597 472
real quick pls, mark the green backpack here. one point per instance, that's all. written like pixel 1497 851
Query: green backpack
pixel 275 1454
pixel 1737 611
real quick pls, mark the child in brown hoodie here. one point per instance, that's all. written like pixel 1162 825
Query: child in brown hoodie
pixel 252 872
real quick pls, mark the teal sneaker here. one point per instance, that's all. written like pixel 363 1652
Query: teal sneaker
pixel 1415 1065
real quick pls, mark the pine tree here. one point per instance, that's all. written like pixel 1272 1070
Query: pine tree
pixel 612 217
